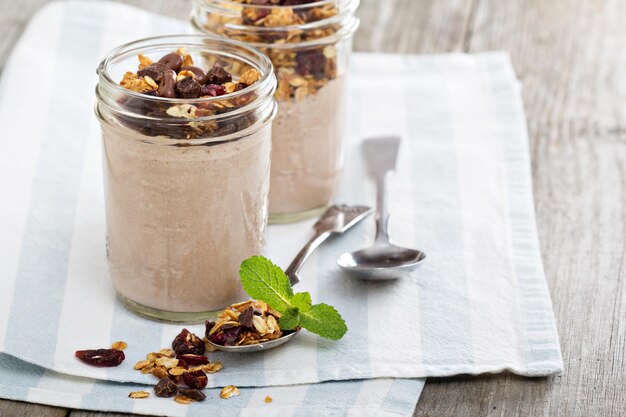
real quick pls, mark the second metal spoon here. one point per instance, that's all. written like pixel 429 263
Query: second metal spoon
pixel 383 260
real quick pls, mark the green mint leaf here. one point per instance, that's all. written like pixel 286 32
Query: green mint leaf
pixel 302 300
pixel 289 319
pixel 263 280
pixel 325 321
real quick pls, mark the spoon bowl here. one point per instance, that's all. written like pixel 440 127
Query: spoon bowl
pixel 381 262
pixel 258 346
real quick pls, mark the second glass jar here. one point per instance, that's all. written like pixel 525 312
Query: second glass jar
pixel 309 44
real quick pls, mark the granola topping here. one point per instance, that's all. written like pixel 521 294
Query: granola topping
pixel 176 76
pixel 245 323
pixel 300 71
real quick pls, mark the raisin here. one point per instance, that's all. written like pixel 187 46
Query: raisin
pixel 187 342
pixel 213 90
pixel 193 360
pixel 311 62
pixel 245 318
pixel 154 71
pixel 208 325
pixel 195 379
pixel 188 88
pixel 102 358
pixel 227 337
pixel 218 75
pixel 192 393
pixel 166 388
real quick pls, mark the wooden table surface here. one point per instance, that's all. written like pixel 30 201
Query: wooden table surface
pixel 571 57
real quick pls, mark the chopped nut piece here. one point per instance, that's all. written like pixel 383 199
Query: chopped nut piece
pixel 250 76
pixel 144 61
pixel 138 394
pixel 119 345
pixel 142 364
pixel 229 391
pixel 151 82
pixel 259 325
pixel 148 369
pixel 167 352
pixel 167 362
pixel 181 399
pixel 177 371
pixel 160 372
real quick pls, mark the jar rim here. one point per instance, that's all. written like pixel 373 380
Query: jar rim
pixel 264 65
pixel 349 23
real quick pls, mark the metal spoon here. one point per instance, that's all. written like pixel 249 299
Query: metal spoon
pixel 383 260
pixel 336 220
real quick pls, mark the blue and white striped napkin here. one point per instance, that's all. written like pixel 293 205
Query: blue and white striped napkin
pixel 462 193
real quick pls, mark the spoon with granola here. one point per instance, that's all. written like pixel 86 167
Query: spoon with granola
pixel 249 326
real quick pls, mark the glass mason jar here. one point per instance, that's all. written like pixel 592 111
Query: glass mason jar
pixel 186 180
pixel 309 45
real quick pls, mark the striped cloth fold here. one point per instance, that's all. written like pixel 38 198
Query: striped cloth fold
pixel 462 193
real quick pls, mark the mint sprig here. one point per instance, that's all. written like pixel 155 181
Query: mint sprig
pixel 263 280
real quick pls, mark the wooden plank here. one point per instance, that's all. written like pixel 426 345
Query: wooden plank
pixel 412 26
pixel 21 409
pixel 570 58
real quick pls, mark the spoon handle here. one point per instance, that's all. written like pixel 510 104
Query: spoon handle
pixel 381 155
pixel 303 255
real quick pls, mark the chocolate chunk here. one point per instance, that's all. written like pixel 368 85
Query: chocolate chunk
pixel 245 318
pixel 154 71
pixel 172 60
pixel 201 76
pixel 188 88
pixel 167 87
pixel 218 75
pixel 192 393
pixel 166 388
pixel 212 90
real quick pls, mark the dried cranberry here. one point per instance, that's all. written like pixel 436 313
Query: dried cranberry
pixel 102 358
pixel 227 337
pixel 311 62
pixel 245 318
pixel 212 90
pixel 218 75
pixel 192 393
pixel 193 360
pixel 154 71
pixel 187 342
pixel 195 379
pixel 182 363
pixel 166 388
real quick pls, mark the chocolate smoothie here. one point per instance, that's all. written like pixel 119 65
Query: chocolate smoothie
pixel 181 219
pixel 307 155
pixel 186 155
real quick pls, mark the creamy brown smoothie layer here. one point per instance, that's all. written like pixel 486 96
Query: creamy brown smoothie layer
pixel 186 181
pixel 181 219
pixel 307 156
pixel 309 43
